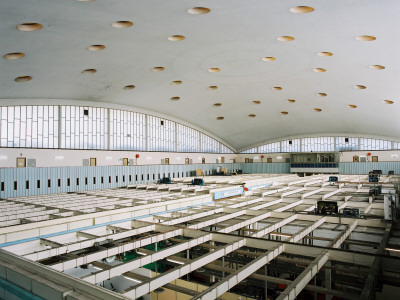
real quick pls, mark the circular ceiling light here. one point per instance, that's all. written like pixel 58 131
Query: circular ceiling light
pixel 268 58
pixel 377 67
pixel 23 78
pixel 352 106
pixel 213 70
pixel 257 102
pixel 365 38
pixel 122 24
pixel 220 118
pixel 322 94
pixel 277 88
pixel 176 98
pixel 177 82
pixel 284 113
pixel 217 104
pixel 158 69
pixel 252 115
pixel 360 87
pixel 89 71
pixel 388 101
pixel 129 87
pixel 317 109
pixel 15 55
pixel 324 53
pixel 301 9
pixel 291 100
pixel 175 38
pixel 213 87
pixel 319 70
pixel 198 10
pixel 96 47
pixel 285 38
pixel 29 27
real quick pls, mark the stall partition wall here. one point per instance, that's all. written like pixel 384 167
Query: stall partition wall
pixel 18 182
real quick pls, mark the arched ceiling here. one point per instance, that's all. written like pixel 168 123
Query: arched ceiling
pixel 234 36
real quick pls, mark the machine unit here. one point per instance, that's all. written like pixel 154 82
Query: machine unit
pixel 333 178
pixel 375 191
pixel 197 181
pixel 351 212
pixel 165 180
pixel 373 178
pixel 327 208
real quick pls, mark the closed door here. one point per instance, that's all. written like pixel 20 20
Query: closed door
pixel 374 158
pixel 167 161
pixel 355 158
pixel 269 160
pixel 187 160
pixel 222 160
pixel 203 160
pixel 92 162
pixel 246 160
pixel 125 161
pixel 21 162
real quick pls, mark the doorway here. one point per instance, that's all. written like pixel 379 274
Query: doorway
pixel 21 162
pixel 125 161
pixel 93 162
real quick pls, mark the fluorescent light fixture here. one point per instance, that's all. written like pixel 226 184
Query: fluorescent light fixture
pixel 175 261
pixel 132 279
pixel 277 234
pixel 141 253
pixel 279 157
pixel 97 268
pixel 391 249
pixel 108 157
pixel 3 157
pixel 59 157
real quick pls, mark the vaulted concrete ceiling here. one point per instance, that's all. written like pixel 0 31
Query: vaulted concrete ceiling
pixel 240 38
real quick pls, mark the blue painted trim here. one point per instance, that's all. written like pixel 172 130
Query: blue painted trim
pixel 258 186
pixel 228 193
pixel 97 225
pixel 16 291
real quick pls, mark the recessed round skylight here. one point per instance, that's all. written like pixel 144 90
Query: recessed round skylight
pixel 360 87
pixel 284 113
pixel 365 38
pixel 322 94
pixel 177 82
pixel 122 24
pixel 129 87
pixel 352 106
pixel 29 26
pixel 377 67
pixel 268 58
pixel 220 118
pixel 23 78
pixel 252 115
pixel 158 69
pixel 257 102
pixel 213 87
pixel 89 71
pixel 176 98
pixel 285 38
pixel 317 109
pixel 319 70
pixel 301 9
pixel 15 55
pixel 198 10
pixel 96 47
pixel 213 70
pixel 388 101
pixel 175 38
pixel 217 104
pixel 324 53
pixel 277 88
pixel 291 100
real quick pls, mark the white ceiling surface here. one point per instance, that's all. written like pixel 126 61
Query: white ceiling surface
pixel 234 37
